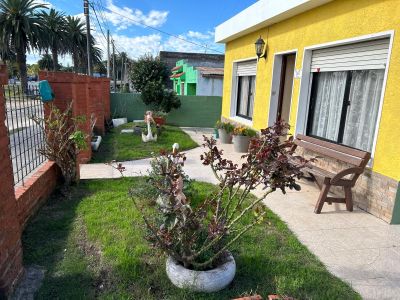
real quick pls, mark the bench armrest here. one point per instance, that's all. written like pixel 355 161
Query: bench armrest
pixel 341 174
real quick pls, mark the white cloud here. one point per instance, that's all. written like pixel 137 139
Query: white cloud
pixel 47 3
pixel 123 17
pixel 200 35
pixel 133 46
pixel 202 42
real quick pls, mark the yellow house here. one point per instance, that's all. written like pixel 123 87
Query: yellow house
pixel 332 70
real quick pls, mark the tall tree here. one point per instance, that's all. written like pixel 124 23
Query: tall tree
pixel 20 27
pixel 54 37
pixel 76 39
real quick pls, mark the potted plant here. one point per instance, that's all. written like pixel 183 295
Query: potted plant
pixel 159 117
pixel 241 138
pixel 225 131
pixel 197 237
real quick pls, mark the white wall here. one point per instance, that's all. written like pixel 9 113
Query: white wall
pixel 207 86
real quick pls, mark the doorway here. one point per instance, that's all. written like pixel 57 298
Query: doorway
pixel 282 86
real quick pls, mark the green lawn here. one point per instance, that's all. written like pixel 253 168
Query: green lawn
pixel 93 246
pixel 123 147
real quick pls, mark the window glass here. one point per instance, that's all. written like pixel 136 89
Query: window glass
pixel 245 101
pixel 344 107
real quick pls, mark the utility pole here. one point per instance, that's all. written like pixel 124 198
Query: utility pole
pixel 108 53
pixel 86 13
pixel 115 84
pixel 122 69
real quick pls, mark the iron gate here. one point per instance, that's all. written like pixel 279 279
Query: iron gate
pixel 26 138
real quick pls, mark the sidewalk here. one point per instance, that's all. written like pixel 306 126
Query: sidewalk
pixel 357 247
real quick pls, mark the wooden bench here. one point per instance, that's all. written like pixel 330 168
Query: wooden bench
pixel 346 178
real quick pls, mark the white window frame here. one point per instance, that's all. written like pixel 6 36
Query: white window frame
pixel 306 80
pixel 234 91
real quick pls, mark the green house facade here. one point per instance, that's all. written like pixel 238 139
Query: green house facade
pixel 191 80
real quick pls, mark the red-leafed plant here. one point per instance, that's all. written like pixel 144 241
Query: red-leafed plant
pixel 199 236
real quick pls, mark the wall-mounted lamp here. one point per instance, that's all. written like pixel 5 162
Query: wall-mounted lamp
pixel 260 44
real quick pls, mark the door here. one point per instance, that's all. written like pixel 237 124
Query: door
pixel 182 88
pixel 285 87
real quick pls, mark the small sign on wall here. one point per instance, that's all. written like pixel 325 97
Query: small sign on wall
pixel 297 73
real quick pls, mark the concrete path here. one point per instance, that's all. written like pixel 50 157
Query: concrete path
pixel 357 247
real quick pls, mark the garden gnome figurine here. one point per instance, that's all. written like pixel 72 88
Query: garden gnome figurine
pixel 148 118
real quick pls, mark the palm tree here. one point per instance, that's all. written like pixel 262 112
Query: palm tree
pixel 54 36
pixel 76 39
pixel 19 30
pixel 46 62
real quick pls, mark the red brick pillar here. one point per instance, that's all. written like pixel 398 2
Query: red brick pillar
pixel 10 231
pixel 81 97
pixel 69 87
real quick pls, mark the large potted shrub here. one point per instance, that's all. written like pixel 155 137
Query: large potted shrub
pixel 241 138
pixel 225 130
pixel 197 237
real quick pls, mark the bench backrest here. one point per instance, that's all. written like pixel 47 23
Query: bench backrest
pixel 351 156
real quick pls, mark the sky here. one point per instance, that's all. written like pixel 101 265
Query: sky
pixel 190 20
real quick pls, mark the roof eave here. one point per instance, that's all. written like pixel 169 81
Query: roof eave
pixel 263 13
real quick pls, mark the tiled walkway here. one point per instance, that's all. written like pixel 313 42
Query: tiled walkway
pixel 357 247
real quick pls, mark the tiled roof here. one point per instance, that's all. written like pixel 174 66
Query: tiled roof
pixel 177 75
pixel 176 68
pixel 207 71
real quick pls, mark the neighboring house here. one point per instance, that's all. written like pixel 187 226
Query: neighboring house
pixel 331 70
pixel 196 81
pixel 194 59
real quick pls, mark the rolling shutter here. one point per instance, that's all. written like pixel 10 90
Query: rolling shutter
pixel 246 68
pixel 358 56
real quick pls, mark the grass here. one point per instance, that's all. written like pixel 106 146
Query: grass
pixel 123 147
pixel 93 246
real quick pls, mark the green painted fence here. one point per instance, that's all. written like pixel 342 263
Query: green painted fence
pixel 195 111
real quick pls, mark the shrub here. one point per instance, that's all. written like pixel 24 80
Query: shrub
pixel 63 140
pixel 158 98
pixel 199 235
pixel 147 69
pixel 245 131
pixel 228 127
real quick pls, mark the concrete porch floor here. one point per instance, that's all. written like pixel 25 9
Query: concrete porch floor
pixel 355 246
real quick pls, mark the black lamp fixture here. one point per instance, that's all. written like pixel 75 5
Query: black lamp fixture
pixel 260 44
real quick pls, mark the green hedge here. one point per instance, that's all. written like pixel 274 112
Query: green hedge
pixel 195 111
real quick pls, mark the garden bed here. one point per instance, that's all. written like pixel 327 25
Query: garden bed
pixel 93 245
pixel 127 146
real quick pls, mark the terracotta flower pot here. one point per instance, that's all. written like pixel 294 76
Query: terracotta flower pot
pixel 241 143
pixel 224 137
pixel 159 120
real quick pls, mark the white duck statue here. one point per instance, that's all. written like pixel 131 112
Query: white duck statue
pixel 148 118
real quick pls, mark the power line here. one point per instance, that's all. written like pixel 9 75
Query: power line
pixel 164 32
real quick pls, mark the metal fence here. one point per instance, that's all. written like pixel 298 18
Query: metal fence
pixel 26 138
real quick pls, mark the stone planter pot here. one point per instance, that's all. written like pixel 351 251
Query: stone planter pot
pixel 241 143
pixel 119 121
pixel 201 281
pixel 137 130
pixel 225 138
pixel 95 143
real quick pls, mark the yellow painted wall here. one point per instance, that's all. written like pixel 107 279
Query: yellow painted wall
pixel 340 19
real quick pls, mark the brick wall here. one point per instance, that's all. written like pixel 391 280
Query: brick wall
pixel 36 189
pixel 89 95
pixel 10 230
